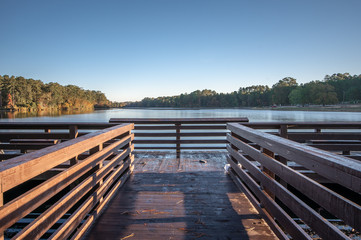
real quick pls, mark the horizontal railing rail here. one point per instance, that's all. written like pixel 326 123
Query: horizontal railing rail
pixel 259 165
pixel 322 130
pixel 54 125
pixel 17 138
pixel 179 133
pixel 66 204
pixel 338 137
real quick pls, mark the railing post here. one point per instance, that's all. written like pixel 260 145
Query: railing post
pixel 235 148
pixel 178 145
pixel 99 166
pixel 283 131
pixel 267 171
pixel 131 166
pixel 1 204
pixel 73 133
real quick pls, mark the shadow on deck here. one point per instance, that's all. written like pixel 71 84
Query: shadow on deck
pixel 186 198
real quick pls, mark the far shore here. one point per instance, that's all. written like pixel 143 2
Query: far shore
pixel 326 108
pixel 320 108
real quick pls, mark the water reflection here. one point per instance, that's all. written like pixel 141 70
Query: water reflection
pixel 253 115
pixel 32 114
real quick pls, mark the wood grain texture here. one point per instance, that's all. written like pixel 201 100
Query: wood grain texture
pixel 295 191
pixel 328 199
pixel 179 133
pixel 342 170
pixel 319 224
pixel 177 120
pixel 170 198
pixel 22 168
pixel 79 189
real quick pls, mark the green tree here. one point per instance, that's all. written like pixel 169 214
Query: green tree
pixel 282 89
pixel 322 93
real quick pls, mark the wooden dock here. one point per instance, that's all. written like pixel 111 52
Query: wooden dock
pixel 186 198
pixel 286 180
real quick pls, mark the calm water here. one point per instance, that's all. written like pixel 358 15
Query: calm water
pixel 253 115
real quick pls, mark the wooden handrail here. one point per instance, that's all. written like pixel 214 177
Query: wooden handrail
pixel 339 169
pixel 54 125
pixel 179 133
pixel 177 120
pixel 87 176
pixel 304 125
pixel 25 167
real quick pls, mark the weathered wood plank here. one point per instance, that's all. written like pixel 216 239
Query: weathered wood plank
pixel 195 141
pixel 40 225
pixel 53 125
pixel 180 204
pixel 25 167
pixel 6 136
pixel 182 127
pixel 304 125
pixel 24 204
pixel 176 120
pixel 304 136
pixel 337 147
pixel 24 146
pixel 301 209
pixel 96 213
pixel 75 219
pixel 189 134
pixel 342 170
pixel 44 140
pixel 281 216
pixel 267 217
pixel 331 201
pixel 139 147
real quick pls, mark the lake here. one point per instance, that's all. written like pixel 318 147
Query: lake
pixel 253 115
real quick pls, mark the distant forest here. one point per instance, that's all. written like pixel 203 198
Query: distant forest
pixel 337 88
pixel 30 94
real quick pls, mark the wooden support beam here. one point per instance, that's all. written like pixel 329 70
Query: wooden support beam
pixel 178 145
pixel 1 204
pixel 331 201
pixel 283 131
pixel 267 171
pixel 339 169
pixel 25 167
pixel 274 209
pixel 322 227
pixel 73 133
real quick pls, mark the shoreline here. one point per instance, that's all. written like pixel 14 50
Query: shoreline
pixel 315 108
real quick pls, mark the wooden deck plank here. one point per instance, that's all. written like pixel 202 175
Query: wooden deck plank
pixel 170 198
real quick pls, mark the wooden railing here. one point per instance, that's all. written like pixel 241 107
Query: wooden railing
pixel 301 131
pixel 338 137
pixel 17 138
pixel 179 133
pixel 259 163
pixel 65 205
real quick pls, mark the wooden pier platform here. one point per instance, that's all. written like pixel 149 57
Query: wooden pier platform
pixel 288 180
pixel 186 198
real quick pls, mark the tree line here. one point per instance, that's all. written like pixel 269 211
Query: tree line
pixel 22 93
pixel 337 88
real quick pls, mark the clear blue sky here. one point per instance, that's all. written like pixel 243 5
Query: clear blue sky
pixel 131 49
